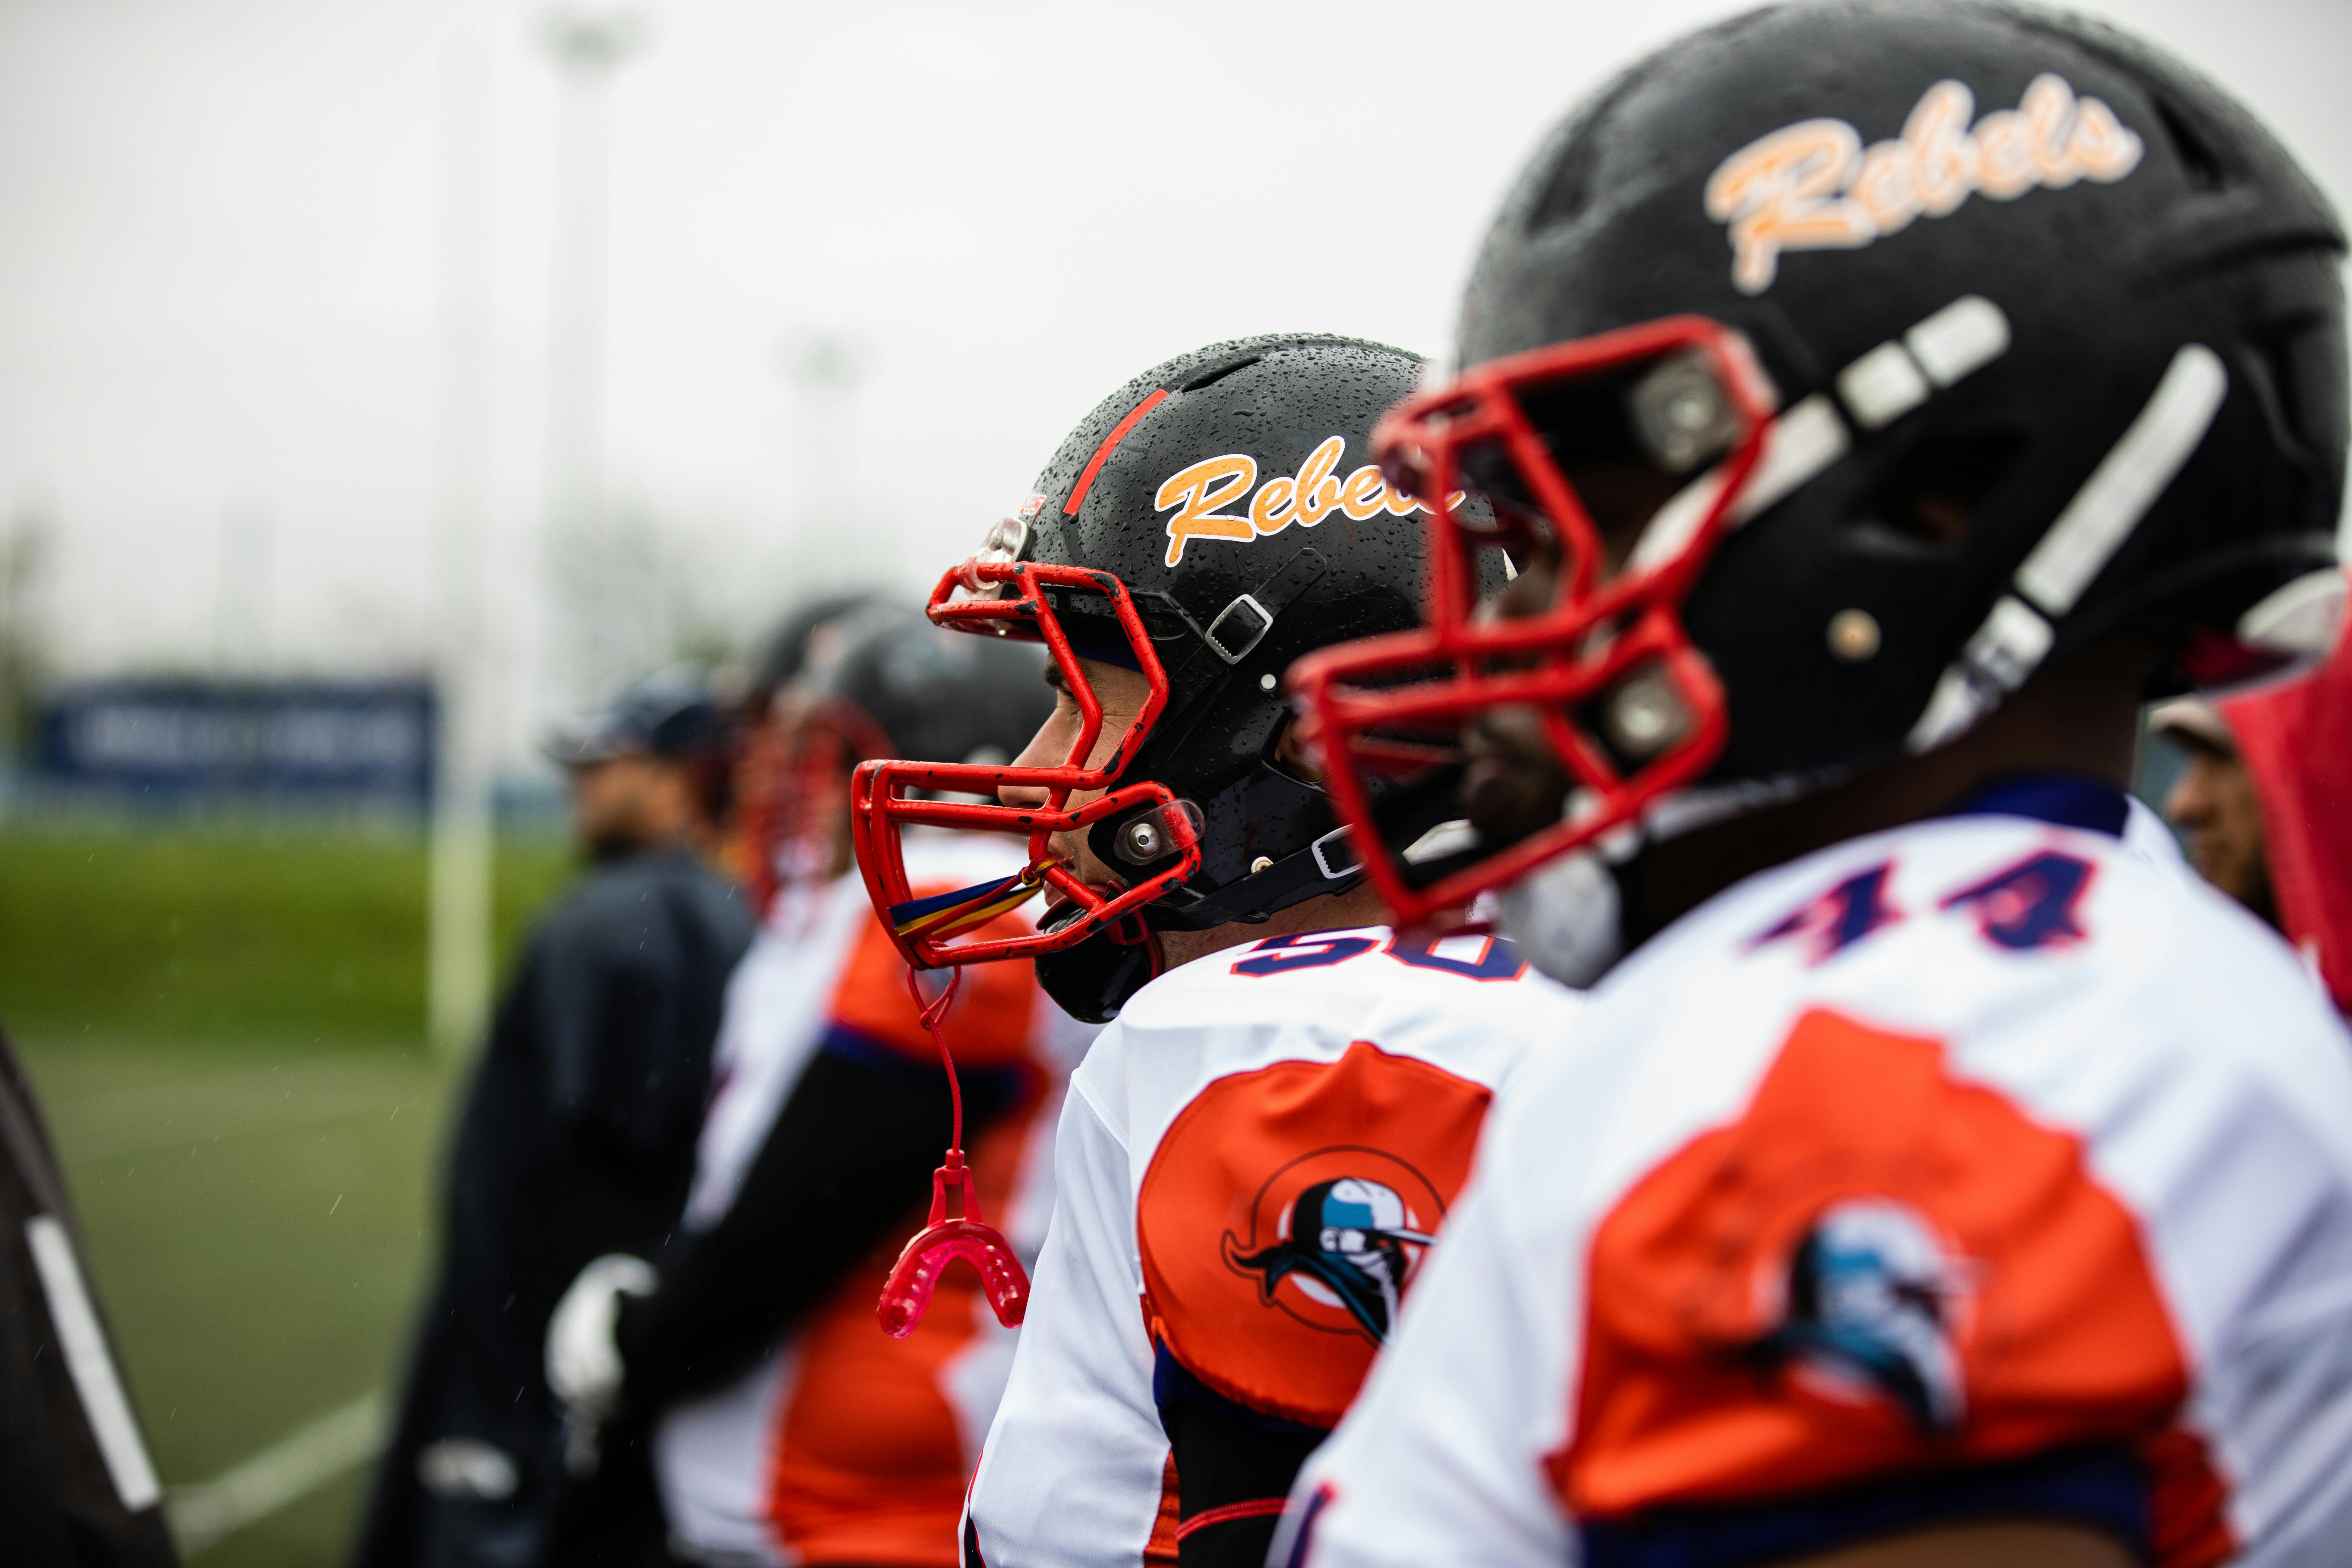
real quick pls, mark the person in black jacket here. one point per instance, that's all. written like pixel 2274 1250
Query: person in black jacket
pixel 577 1137
pixel 77 1489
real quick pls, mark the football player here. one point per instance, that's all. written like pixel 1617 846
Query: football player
pixel 1887 399
pixel 1257 1154
pixel 785 1428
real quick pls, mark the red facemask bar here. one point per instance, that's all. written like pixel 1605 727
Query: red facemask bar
pixel 1008 598
pixel 907 1293
pixel 1696 410
pixel 796 787
pixel 760 775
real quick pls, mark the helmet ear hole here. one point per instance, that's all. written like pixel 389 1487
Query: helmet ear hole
pixel 1936 494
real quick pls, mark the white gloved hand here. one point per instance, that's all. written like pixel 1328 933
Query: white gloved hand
pixel 583 1363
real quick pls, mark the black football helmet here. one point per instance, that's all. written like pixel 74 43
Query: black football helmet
pixel 903 687
pixel 1211 522
pixel 1860 359
pixel 776 659
pixel 876 679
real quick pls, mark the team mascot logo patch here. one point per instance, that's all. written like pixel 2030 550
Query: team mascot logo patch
pixel 1345 1245
pixel 1872 1306
pixel 1877 1264
pixel 1285 1213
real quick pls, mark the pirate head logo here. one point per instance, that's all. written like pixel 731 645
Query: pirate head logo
pixel 1284 1215
pixel 1871 1307
pixel 1349 1229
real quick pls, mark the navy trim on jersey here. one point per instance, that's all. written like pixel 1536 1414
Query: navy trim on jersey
pixel 1173 1383
pixel 856 1046
pixel 2068 800
pixel 2102 1489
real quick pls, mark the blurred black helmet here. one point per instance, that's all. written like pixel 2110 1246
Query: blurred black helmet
pixel 1864 358
pixel 2072 319
pixel 910 690
pixel 776 658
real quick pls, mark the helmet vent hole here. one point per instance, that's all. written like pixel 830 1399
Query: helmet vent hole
pixel 1217 373
pixel 2199 164
pixel 1934 498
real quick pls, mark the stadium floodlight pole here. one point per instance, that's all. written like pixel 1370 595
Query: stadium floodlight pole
pixel 588 44
pixel 458 976
pixel 825 370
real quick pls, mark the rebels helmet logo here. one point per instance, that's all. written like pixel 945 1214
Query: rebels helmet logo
pixel 1814 186
pixel 1201 493
pixel 1343 1246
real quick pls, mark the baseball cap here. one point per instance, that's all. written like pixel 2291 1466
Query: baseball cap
pixel 2195 720
pixel 670 714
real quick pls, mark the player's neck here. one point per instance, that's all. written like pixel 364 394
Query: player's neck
pixel 1359 906
pixel 2082 720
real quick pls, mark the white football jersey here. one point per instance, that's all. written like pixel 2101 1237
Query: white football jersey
pixel 1251 1164
pixel 846 1444
pixel 1985 1167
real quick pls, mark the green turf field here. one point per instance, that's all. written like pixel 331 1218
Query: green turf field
pixel 230 935
pixel 223 1027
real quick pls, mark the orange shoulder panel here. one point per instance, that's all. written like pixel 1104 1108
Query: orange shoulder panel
pixel 1285 1213
pixel 1878 1270
pixel 988 1026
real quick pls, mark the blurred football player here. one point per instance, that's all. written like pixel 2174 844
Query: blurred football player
pixel 1885 400
pixel 577 1133
pixel 1258 1153
pixel 764 775
pixel 785 1427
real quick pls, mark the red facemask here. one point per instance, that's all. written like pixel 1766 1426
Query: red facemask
pixel 993 594
pixel 1395 706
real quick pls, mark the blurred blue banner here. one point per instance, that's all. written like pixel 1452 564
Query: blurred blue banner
pixel 179 740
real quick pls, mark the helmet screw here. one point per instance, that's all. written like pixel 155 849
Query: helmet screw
pixel 1142 840
pixel 1260 864
pixel 1647 715
pixel 1266 683
pixel 1853 635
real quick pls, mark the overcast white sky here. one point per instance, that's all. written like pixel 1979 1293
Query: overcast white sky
pixel 221 250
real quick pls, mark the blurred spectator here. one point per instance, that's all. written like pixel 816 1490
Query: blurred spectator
pixel 788 1428
pixel 2266 803
pixel 77 1489
pixel 2214 804
pixel 577 1138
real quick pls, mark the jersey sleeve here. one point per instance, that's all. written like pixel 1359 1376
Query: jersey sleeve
pixel 988 1025
pixel 1071 1474
pixel 846 1162
pixel 1453 1422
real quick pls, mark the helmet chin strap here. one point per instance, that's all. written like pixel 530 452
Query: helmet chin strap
pixel 907 1293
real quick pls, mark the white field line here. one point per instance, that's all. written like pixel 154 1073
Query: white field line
pixel 296 1465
